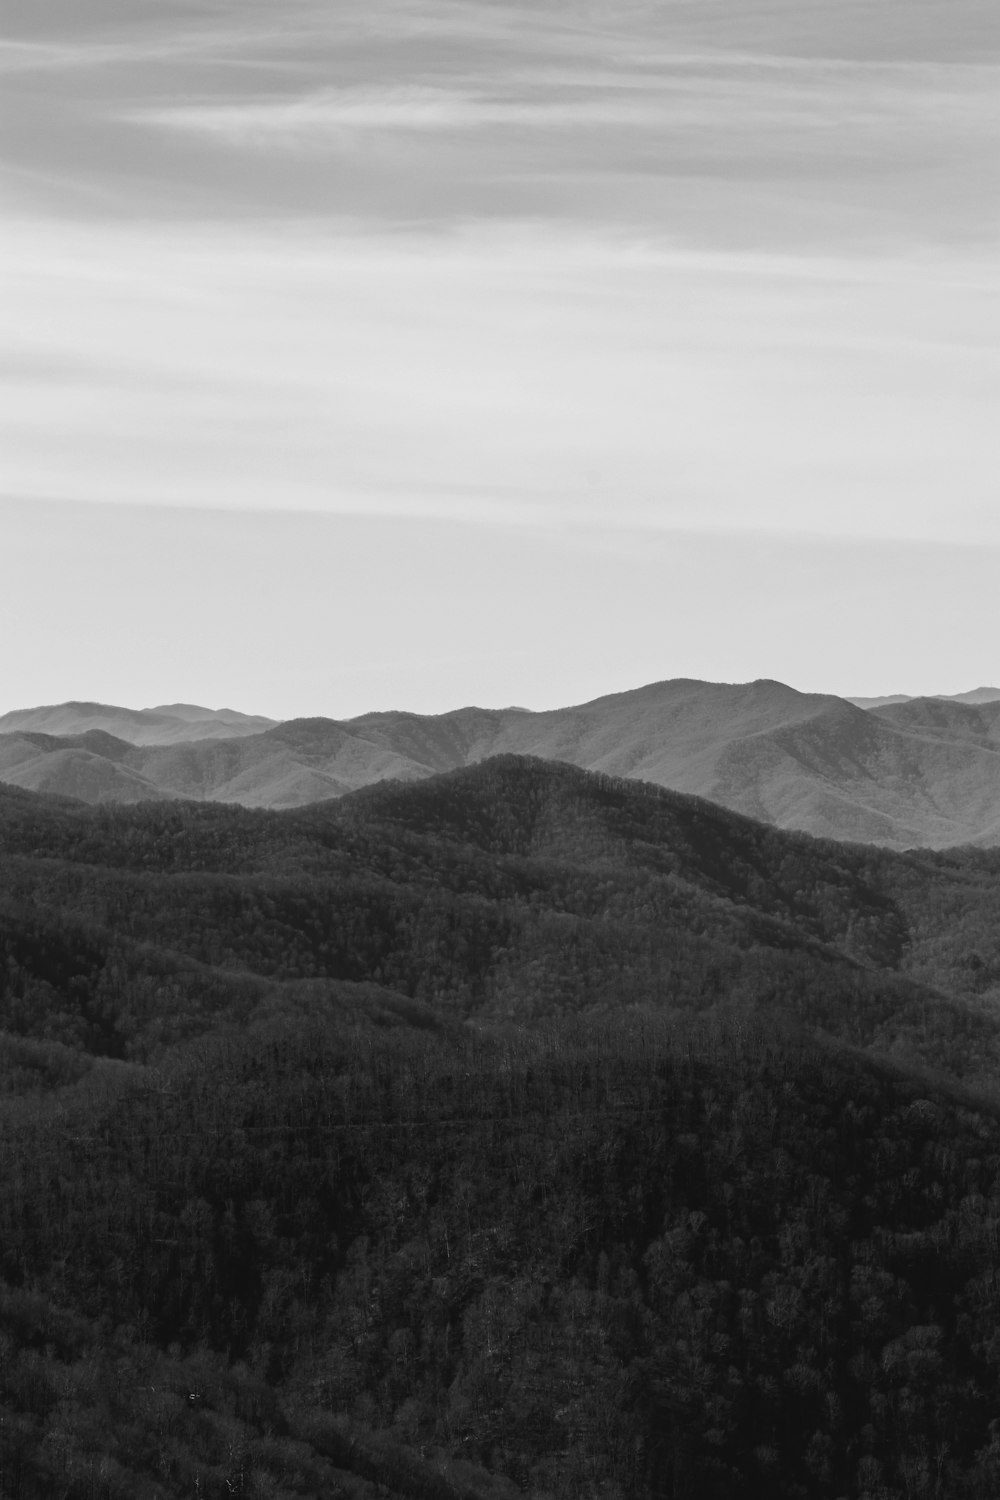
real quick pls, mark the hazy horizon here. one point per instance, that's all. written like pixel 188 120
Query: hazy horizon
pixel 408 355
pixel 263 711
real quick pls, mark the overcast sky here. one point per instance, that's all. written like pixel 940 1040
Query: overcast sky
pixel 358 355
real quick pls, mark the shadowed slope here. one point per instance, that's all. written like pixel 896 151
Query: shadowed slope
pixel 511 890
pixel 563 1072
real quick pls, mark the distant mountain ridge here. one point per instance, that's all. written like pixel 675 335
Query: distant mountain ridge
pixel 903 773
pixel 163 725
pixel 975 695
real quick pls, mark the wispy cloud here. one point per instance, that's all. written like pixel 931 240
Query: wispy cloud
pixel 336 112
pixel 407 294
pixel 762 105
pixel 657 276
pixel 665 119
pixel 528 376
pixel 89 54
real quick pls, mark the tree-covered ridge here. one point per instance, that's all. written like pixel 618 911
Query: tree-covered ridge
pixel 516 1131
pixel 620 1260
pixel 516 889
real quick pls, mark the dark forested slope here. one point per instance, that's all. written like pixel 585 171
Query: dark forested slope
pixel 515 889
pixel 515 1131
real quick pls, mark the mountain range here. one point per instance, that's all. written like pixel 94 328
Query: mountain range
pixel 898 771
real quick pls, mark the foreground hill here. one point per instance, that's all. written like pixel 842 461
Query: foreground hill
pixel 512 889
pixel 520 1130
pixel 916 772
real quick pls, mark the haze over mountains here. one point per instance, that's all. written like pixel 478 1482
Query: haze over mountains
pixel 164 725
pixel 898 771
pixel 976 695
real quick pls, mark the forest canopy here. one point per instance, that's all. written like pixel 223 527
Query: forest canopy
pixel 516 1131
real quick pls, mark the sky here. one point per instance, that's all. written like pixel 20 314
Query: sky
pixel 395 354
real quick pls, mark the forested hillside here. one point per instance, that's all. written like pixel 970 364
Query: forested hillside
pixel 515 1131
pixel 920 772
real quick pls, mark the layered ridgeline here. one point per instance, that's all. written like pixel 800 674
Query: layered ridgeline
pixel 903 773
pixel 517 1131
pixel 509 891
pixel 165 725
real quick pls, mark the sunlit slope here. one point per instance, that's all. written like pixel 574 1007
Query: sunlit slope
pixel 91 767
pixel 305 760
pixel 847 774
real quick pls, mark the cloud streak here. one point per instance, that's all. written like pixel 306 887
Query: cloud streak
pixel 744 120
pixel 698 92
pixel 413 296
pixel 689 123
pixel 520 376
pixel 406 109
